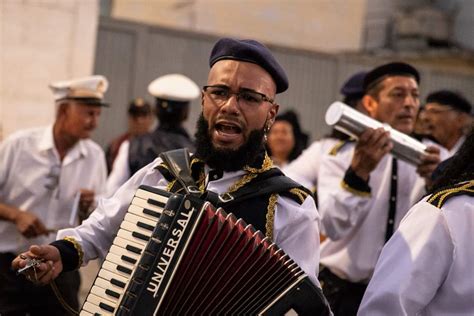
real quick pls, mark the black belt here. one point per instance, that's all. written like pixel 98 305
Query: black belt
pixel 326 276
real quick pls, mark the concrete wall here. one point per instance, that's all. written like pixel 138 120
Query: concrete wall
pixel 40 42
pixel 321 25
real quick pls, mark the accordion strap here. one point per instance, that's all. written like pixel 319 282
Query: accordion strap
pixel 178 164
pixel 269 185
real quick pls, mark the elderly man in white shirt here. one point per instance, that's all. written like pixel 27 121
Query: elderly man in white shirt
pixel 427 266
pixel 238 108
pixel 47 176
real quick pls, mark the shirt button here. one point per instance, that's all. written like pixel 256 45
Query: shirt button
pixel 394 177
pixel 390 221
pixel 392 199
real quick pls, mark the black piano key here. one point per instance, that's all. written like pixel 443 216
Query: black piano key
pixel 133 249
pixel 145 226
pixel 128 259
pixel 151 213
pixel 124 269
pixel 112 293
pixel 117 283
pixel 155 202
pixel 106 307
pixel 140 236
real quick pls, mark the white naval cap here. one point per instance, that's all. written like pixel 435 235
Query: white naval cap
pixel 89 90
pixel 174 87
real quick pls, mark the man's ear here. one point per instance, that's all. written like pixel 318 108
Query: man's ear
pixel 202 100
pixel 370 105
pixel 272 113
pixel 61 109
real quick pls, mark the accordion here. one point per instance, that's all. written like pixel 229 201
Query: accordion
pixel 177 255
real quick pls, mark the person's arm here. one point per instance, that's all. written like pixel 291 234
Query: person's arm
pixel 412 266
pixel 296 231
pixel 344 193
pixel 304 169
pixel 95 235
pixel 27 223
pixel 120 171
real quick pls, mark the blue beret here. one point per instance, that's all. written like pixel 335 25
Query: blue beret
pixel 450 98
pixel 354 86
pixel 253 52
pixel 388 70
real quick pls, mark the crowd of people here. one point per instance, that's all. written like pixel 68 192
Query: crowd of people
pixel 377 234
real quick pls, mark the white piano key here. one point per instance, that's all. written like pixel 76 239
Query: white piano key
pixel 108 275
pixel 112 267
pixel 106 284
pixel 95 301
pixel 150 195
pixel 125 234
pixel 100 292
pixel 88 307
pixel 85 313
pixel 144 204
pixel 132 227
pixel 135 209
pixel 116 259
pixel 129 217
pixel 123 243
pixel 123 252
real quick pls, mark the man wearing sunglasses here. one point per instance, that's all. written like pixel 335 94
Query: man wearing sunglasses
pixel 238 108
pixel 47 176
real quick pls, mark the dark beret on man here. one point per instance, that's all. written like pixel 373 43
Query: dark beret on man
pixel 253 52
pixel 379 73
pixel 354 86
pixel 450 98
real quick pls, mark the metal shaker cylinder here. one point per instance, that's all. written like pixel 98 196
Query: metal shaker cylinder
pixel 352 122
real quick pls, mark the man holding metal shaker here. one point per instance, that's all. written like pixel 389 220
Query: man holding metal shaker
pixel 364 190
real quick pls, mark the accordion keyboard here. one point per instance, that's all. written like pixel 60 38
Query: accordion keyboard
pixel 125 252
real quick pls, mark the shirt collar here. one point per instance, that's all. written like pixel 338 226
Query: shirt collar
pixel 46 143
pixel 458 144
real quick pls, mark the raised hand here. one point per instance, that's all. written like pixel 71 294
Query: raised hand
pixel 372 146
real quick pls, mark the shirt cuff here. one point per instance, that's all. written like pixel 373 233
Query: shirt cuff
pixel 355 184
pixel 71 253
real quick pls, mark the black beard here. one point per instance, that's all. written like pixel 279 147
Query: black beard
pixel 226 159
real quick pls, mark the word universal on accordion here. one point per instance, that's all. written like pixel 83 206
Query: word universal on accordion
pixel 177 255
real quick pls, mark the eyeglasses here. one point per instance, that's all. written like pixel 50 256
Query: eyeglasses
pixel 221 94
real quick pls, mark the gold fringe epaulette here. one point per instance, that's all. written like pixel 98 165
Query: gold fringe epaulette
pixel 339 145
pixel 439 198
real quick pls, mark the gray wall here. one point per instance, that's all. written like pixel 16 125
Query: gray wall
pixel 132 55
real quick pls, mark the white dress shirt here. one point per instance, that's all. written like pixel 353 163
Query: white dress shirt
pixel 356 224
pixel 296 228
pixel 427 267
pixel 305 168
pixel 120 170
pixel 32 178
